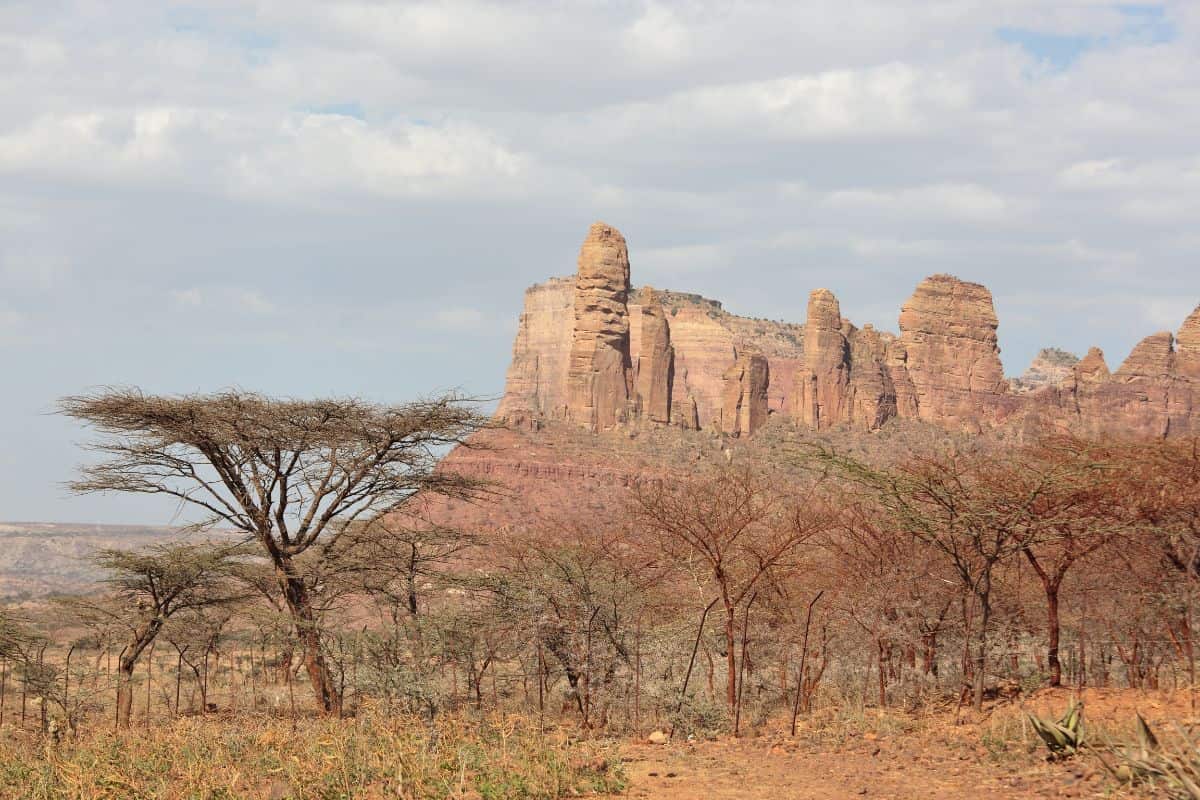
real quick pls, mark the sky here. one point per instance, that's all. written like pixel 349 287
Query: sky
pixel 313 197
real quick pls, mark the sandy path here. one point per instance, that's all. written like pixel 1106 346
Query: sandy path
pixel 899 770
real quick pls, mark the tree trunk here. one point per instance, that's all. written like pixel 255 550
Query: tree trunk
pixel 985 613
pixel 879 645
pixel 1053 632
pixel 328 699
pixel 124 692
pixel 731 659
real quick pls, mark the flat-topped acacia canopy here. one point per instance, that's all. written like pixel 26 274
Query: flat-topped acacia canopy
pixel 292 474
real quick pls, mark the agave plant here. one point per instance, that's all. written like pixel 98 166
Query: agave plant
pixel 1176 772
pixel 1063 737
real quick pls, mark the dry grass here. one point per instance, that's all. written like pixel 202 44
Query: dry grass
pixel 373 756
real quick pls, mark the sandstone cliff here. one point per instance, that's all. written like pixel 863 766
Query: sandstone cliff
pixel 597 352
pixel 599 370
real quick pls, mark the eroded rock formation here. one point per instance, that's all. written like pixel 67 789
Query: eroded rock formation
pixel 1187 346
pixel 599 370
pixel 744 398
pixel 948 330
pixel 823 384
pixel 655 367
pixel 1092 368
pixel 594 351
pixel 1050 367
pixel 536 387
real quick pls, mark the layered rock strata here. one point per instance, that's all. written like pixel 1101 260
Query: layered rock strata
pixel 948 331
pixel 595 351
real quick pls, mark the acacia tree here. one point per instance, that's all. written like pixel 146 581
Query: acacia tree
pixel 578 585
pixel 891 585
pixel 151 586
pixel 976 508
pixel 1161 481
pixel 293 475
pixel 1079 511
pixel 737 525
pixel 13 634
pixel 398 558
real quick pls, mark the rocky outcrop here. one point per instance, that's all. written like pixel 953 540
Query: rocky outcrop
pixel 948 330
pixel 654 370
pixel 684 413
pixel 703 351
pixel 599 370
pixel 873 396
pixel 1187 346
pixel 1051 367
pixel 592 350
pixel 1092 368
pixel 536 387
pixel 744 398
pixel 822 394
pixel 1151 358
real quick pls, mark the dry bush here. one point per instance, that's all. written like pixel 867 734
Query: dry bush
pixel 374 756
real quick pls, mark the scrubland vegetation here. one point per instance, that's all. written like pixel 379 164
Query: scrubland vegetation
pixel 350 642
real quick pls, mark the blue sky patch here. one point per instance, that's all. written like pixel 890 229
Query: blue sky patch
pixel 1060 51
pixel 1144 25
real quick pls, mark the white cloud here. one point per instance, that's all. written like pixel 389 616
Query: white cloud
pixel 140 142
pixel 658 35
pixel 891 99
pixel 950 201
pixel 270 156
pixel 317 152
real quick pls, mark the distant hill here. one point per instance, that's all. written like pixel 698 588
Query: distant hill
pixel 39 559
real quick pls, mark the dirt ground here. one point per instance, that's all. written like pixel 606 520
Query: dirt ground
pixel 882 769
pixel 938 756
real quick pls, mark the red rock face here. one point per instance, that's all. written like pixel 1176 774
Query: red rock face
pixel 1092 368
pixel 873 394
pixel 536 387
pixel 654 370
pixel 599 370
pixel 823 383
pixel 744 400
pixel 1187 347
pixel 589 351
pixel 948 330
pixel 1153 357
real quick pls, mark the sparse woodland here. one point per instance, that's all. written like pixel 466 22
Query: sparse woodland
pixel 740 593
